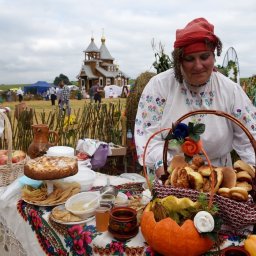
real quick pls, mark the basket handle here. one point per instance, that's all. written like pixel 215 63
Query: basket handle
pixel 8 132
pixel 214 112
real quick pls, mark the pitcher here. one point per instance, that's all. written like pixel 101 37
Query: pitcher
pixel 40 143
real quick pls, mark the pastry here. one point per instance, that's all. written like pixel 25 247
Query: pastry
pixel 243 176
pixel 50 167
pixel 229 177
pixel 239 194
pixel 245 185
pixel 179 178
pixel 205 170
pixel 240 165
pixel 225 192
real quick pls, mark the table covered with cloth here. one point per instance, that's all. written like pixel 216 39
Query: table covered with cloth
pixel 26 229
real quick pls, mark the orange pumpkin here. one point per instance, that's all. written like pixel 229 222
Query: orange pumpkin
pixel 170 239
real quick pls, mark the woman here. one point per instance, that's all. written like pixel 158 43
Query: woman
pixel 194 84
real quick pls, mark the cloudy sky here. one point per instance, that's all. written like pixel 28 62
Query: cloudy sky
pixel 40 39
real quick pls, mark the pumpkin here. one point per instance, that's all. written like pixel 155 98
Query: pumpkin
pixel 250 245
pixel 168 238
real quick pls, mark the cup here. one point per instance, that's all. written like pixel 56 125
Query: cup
pixel 102 214
pixel 107 199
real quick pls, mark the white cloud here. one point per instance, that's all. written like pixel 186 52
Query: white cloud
pixel 41 39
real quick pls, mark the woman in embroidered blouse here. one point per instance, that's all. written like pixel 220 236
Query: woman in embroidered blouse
pixel 194 84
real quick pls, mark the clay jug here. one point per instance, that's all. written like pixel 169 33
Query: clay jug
pixel 40 143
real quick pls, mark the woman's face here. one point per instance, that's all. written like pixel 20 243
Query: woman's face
pixel 197 67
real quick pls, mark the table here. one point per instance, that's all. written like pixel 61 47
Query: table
pixel 27 230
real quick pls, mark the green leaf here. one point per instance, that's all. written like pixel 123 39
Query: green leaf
pixel 191 127
pixel 199 129
pixel 194 137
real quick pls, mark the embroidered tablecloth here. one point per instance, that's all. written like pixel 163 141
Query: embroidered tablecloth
pixel 38 235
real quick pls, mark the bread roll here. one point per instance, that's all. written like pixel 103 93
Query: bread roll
pixel 179 178
pixel 205 170
pixel 244 176
pixel 240 165
pixel 229 177
pixel 239 194
pixel 225 192
pixel 245 185
pixel 177 162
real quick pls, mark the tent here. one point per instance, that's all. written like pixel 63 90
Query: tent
pixel 37 88
pixel 112 91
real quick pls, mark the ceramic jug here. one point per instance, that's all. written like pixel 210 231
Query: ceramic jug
pixel 40 143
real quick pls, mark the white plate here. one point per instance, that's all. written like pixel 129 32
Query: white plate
pixel 70 223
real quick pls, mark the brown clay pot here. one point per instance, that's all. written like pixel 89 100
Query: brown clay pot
pixel 123 220
pixel 40 143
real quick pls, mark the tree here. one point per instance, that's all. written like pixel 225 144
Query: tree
pixel 60 78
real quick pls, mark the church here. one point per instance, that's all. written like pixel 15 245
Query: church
pixel 98 67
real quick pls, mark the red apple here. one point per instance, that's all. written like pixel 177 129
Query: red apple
pixel 3 159
pixel 18 155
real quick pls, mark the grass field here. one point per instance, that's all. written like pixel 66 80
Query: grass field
pixel 43 105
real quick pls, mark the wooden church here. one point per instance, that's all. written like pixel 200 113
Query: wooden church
pixel 98 67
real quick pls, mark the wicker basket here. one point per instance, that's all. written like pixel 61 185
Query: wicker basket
pixel 233 213
pixel 10 171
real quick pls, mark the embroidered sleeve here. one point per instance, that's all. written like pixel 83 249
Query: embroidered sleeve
pixel 244 110
pixel 148 121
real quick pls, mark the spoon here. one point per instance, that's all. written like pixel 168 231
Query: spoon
pixel 86 205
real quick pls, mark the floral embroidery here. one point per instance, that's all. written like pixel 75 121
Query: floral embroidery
pixel 79 239
pixel 149 98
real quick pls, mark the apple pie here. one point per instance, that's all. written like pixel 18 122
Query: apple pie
pixel 50 167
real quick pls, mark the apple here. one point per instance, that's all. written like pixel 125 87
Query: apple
pixel 3 152
pixel 82 156
pixel 3 159
pixel 18 155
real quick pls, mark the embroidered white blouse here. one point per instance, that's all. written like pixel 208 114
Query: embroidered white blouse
pixel 164 101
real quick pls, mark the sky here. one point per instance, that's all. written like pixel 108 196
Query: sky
pixel 41 39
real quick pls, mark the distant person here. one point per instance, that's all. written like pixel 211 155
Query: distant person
pixel 53 95
pixel 9 95
pixel 92 92
pixel 97 95
pixel 20 94
pixel 64 103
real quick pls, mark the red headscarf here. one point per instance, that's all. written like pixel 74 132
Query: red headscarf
pixel 193 37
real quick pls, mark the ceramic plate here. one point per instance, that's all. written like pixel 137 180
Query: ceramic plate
pixel 69 223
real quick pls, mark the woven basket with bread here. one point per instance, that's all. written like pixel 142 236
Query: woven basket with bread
pixel 12 161
pixel 230 188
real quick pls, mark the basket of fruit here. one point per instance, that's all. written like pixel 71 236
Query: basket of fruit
pixel 195 198
pixel 11 161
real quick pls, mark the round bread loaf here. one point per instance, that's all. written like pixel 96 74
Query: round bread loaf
pixel 50 167
pixel 225 192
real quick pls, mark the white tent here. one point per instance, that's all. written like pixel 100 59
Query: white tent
pixel 113 91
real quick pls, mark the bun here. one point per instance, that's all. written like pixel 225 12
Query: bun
pixel 179 178
pixel 229 177
pixel 177 162
pixel 244 176
pixel 245 185
pixel 50 167
pixel 239 194
pixel 225 192
pixel 197 161
pixel 195 180
pixel 205 170
pixel 218 179
pixel 240 165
